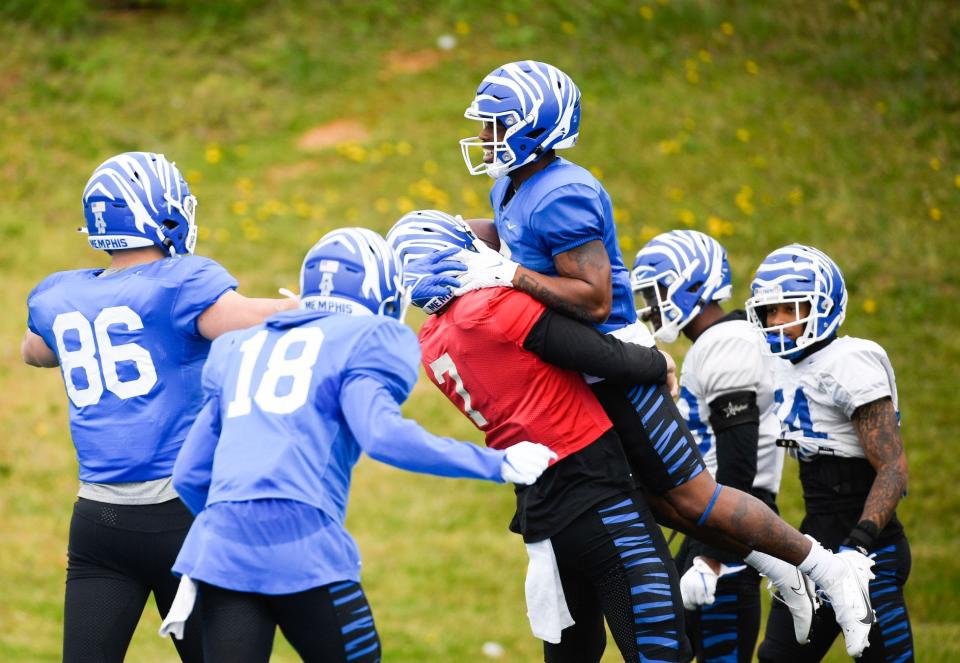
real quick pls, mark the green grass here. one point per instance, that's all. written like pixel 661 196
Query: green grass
pixel 833 123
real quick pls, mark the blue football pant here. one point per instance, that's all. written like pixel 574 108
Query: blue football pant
pixel 891 639
pixel 329 624
pixel 614 563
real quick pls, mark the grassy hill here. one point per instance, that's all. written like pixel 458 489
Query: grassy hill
pixel 831 123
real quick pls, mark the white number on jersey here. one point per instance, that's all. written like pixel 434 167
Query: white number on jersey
pixel 444 364
pixel 85 356
pixel 294 373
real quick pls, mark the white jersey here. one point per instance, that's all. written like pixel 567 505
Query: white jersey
pixel 728 357
pixel 820 393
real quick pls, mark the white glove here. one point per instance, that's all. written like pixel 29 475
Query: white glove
pixel 699 584
pixel 524 462
pixel 485 269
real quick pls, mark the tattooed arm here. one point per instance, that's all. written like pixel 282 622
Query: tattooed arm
pixel 876 424
pixel 583 289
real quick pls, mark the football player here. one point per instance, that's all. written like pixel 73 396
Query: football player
pixel 727 400
pixel 288 407
pixel 837 399
pixel 556 221
pixel 130 341
pixel 584 515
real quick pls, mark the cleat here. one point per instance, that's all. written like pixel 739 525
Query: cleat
pixel 849 594
pixel 799 594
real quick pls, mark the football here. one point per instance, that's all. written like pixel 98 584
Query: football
pixel 485 230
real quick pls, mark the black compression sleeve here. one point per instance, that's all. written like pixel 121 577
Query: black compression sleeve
pixel 735 420
pixel 574 345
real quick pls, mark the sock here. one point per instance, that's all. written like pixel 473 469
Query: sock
pixel 771 567
pixel 820 565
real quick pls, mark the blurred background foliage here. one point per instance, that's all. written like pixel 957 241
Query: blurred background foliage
pixel 833 123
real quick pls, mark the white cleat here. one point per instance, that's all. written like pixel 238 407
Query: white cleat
pixel 799 594
pixel 849 595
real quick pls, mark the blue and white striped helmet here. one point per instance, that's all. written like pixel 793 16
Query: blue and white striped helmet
pixel 424 232
pixel 681 271
pixel 138 199
pixel 795 274
pixel 352 271
pixel 539 106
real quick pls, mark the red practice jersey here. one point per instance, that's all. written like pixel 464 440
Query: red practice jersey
pixel 473 351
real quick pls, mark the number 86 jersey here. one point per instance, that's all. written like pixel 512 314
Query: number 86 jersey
pixel 131 355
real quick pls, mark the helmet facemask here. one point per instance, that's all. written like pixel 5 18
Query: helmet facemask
pixel 505 158
pixel 663 289
pixel 778 341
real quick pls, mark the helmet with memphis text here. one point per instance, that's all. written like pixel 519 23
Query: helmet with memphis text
pixel 139 199
pixel 530 108
pixel 676 274
pixel 810 285
pixel 353 271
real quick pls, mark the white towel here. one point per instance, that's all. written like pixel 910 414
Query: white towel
pixel 180 609
pixel 636 332
pixel 546 604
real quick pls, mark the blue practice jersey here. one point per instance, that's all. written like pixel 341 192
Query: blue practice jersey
pixel 558 209
pixel 131 357
pixel 289 406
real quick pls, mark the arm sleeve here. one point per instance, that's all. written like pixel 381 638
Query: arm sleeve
pixel 193 468
pixel 389 354
pixel 194 465
pixel 568 217
pixel 204 282
pixel 573 345
pixel 375 420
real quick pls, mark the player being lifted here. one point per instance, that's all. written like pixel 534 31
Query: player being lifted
pixel 130 341
pixel 727 400
pixel 583 521
pixel 556 221
pixel 837 400
pixel 288 407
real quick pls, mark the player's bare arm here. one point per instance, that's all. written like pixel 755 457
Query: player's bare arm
pixel 234 311
pixel 876 425
pixel 36 352
pixel 583 290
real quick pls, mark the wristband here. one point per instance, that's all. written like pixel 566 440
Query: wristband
pixel 862 537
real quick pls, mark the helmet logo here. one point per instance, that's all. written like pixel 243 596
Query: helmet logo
pixel 98 208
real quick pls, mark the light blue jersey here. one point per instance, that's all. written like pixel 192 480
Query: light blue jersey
pixel 131 357
pixel 558 209
pixel 289 406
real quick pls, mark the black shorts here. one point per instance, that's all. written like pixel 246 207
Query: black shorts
pixel 662 451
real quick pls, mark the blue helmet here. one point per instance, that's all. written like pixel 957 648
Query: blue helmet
pixel 677 273
pixel 797 274
pixel 138 199
pixel 352 271
pixel 419 235
pixel 537 104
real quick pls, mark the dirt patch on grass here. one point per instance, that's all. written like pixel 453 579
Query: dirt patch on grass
pixel 410 62
pixel 332 133
pixel 292 171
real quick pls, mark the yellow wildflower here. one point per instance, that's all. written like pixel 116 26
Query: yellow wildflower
pixel 675 194
pixel 193 176
pixel 462 28
pixel 626 244
pixel 646 12
pixel 686 217
pixel 705 56
pixel 512 20
pixel 568 27
pixel 239 207
pixel 352 214
pixel 648 232
pixel 430 167
pixel 717 227
pixel 403 148
pixel 621 214
pixel 596 172
pixel 743 135
pixel 744 200
pixel 935 163
pixel 727 28
pixel 956 181
pixel 935 214
pixel 671 146
pixel 382 205
pixel 213 154
pixel 869 306
pixel 880 107
pixel 692 71
pixel 795 196
pixel 752 67
pixel 405 205
pixel 244 184
pixel 203 233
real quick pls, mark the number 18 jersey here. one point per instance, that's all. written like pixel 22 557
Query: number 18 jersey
pixel 131 356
